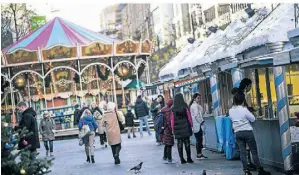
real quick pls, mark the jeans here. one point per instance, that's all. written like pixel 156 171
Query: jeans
pixel 158 138
pixel 47 146
pixel 88 142
pixel 167 153
pixel 145 120
pixel 186 142
pixel 103 138
pixel 199 140
pixel 243 138
pixel 131 129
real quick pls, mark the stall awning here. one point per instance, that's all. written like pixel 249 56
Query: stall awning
pixel 272 29
pixel 173 66
pixel 133 84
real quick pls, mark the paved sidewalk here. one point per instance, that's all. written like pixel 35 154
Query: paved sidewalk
pixel 70 160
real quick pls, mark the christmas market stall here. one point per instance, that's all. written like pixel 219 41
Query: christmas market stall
pixel 62 64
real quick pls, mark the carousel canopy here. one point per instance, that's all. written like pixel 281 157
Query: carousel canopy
pixel 57 32
pixel 133 84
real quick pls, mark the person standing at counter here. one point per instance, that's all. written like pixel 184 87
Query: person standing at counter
pixel 197 118
pixel 241 119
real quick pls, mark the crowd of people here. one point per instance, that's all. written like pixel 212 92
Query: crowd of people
pixel 174 120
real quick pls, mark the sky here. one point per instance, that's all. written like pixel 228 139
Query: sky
pixel 80 13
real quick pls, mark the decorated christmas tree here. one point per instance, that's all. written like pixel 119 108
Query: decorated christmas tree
pixel 16 162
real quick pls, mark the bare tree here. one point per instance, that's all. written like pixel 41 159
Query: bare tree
pixel 15 18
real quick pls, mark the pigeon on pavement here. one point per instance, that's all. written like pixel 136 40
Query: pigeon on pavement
pixel 137 168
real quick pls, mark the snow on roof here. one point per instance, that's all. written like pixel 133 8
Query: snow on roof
pixel 236 32
pixel 173 65
pixel 273 29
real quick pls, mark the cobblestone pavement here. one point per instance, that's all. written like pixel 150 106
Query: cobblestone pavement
pixel 70 160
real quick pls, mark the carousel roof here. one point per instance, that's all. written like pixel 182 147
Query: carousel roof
pixel 58 32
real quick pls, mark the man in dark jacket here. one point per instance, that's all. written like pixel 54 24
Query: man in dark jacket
pixel 142 111
pixel 130 122
pixel 28 121
pixel 156 107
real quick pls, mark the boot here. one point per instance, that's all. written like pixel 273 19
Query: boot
pixel 116 155
pixel 134 136
pixel 261 171
pixel 88 159
pixel 129 137
pixel 188 151
pixel 47 153
pixel 247 172
pixel 92 159
pixel 180 150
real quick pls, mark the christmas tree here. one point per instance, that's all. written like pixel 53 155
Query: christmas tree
pixel 16 162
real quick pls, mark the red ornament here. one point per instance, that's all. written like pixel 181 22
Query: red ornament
pixel 25 142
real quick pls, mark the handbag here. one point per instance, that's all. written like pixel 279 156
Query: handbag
pixel 84 131
pixel 121 126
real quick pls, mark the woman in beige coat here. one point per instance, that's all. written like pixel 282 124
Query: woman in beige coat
pixel 113 131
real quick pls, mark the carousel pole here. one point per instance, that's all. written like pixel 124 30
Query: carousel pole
pixel 52 96
pixel 44 86
pixel 13 117
pixel 98 86
pixel 148 72
pixel 137 78
pixel 29 96
pixel 123 91
pixel 113 82
pixel 79 69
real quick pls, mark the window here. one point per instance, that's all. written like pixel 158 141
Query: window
pixel 292 79
pixel 262 95
pixel 206 97
pixel 225 87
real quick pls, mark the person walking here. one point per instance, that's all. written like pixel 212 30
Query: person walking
pixel 129 117
pixel 181 123
pixel 241 119
pixel 141 112
pixel 28 121
pixel 98 115
pixel 156 107
pixel 168 139
pixel 88 139
pixel 46 127
pixel 113 131
pixel 197 118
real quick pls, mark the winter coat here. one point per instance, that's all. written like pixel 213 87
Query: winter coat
pixel 77 116
pixel 28 120
pixel 154 109
pixel 96 109
pixel 141 108
pixel 181 123
pixel 167 137
pixel 90 121
pixel 112 128
pixel 46 127
pixel 129 119
pixel 99 119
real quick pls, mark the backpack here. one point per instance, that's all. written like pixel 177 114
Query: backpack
pixel 159 123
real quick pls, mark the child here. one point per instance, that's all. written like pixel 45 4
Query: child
pixel 130 123
pixel 241 120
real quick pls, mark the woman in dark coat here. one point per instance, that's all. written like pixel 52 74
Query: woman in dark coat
pixel 167 138
pixel 181 123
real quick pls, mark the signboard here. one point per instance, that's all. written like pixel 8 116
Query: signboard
pixel 127 48
pixel 59 52
pixel 97 49
pixel 21 56
pixel 281 59
pixel 37 21
pixel 295 55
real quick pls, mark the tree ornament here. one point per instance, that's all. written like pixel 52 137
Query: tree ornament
pixel 22 171
pixel 8 146
pixel 25 142
pixel 13 140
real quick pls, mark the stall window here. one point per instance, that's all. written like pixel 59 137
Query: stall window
pixel 204 89
pixel 225 87
pixel 263 95
pixel 292 79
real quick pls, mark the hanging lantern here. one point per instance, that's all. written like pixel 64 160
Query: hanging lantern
pixel 125 71
pixel 20 82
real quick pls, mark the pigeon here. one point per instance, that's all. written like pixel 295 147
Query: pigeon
pixel 137 168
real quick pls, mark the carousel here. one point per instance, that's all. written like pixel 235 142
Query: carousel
pixel 62 64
